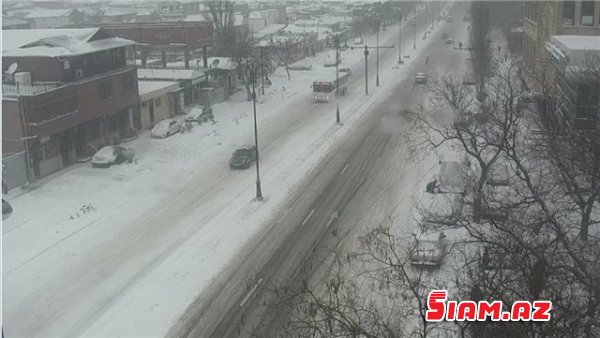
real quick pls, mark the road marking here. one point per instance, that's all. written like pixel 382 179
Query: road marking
pixel 250 293
pixel 344 170
pixel 331 219
pixel 366 140
pixel 307 217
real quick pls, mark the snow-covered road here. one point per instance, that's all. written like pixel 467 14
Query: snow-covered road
pixel 158 231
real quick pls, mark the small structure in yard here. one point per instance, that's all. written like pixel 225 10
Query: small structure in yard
pixel 429 251
pixel 159 100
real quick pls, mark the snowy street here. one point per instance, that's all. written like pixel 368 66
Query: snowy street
pixel 173 244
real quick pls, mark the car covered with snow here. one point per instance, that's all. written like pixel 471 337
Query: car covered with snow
pixel 166 128
pixel 444 36
pixel 109 155
pixel 421 78
pixel 199 114
pixel 243 158
pixel 358 41
pixel 449 41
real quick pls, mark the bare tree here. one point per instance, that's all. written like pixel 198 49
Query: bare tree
pixel 223 17
pixel 283 50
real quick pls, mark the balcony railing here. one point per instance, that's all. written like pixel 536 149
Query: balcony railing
pixel 9 89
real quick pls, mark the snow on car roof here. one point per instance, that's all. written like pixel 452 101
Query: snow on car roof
pixel 440 204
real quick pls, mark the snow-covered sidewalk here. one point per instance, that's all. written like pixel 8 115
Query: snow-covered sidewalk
pixel 154 233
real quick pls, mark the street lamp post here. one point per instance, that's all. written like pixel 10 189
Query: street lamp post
pixel 337 82
pixel 259 196
pixel 366 70
pixel 425 17
pixel 400 40
pixel 377 56
pixel 414 24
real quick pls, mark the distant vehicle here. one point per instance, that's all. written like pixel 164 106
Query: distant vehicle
pixel 469 78
pixel 332 58
pixel 358 41
pixel 6 209
pixel 243 158
pixel 345 70
pixel 198 114
pixel 166 128
pixel 421 78
pixel 449 41
pixel 109 155
pixel 444 36
pixel 449 19
pixel 428 251
pixel 325 90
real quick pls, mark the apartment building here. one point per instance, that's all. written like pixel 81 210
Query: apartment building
pixel 543 19
pixel 65 93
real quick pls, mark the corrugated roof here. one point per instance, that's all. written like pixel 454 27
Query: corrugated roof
pixel 8 21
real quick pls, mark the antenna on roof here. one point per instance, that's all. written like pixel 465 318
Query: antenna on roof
pixel 12 68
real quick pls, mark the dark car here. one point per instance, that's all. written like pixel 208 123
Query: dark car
pixel 6 209
pixel 444 36
pixel 243 158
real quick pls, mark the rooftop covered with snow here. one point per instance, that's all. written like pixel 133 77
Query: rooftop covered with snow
pixel 149 87
pixel 58 42
pixel 168 74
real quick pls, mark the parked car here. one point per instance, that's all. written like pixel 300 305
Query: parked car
pixel 166 128
pixel 421 78
pixel 109 155
pixel 243 158
pixel 358 41
pixel 449 41
pixel 453 177
pixel 197 113
pixel 444 36
pixel 6 209
pixel 300 65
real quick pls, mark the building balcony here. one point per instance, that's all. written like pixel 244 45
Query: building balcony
pixel 14 90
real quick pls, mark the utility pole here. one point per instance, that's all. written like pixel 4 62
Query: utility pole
pixel 425 17
pixel 366 71
pixel 367 64
pixel 377 56
pixel 414 24
pixel 400 40
pixel 337 82
pixel 262 69
pixel 432 14
pixel 258 188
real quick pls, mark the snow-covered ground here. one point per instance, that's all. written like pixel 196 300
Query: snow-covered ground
pixel 123 251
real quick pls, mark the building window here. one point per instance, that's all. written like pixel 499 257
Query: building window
pixel 67 64
pixel 157 102
pixel 568 13
pixel 144 104
pixel 106 90
pixel 587 13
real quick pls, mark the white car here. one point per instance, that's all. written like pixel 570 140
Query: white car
pixel 197 114
pixel 166 128
pixel 358 41
pixel 109 155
